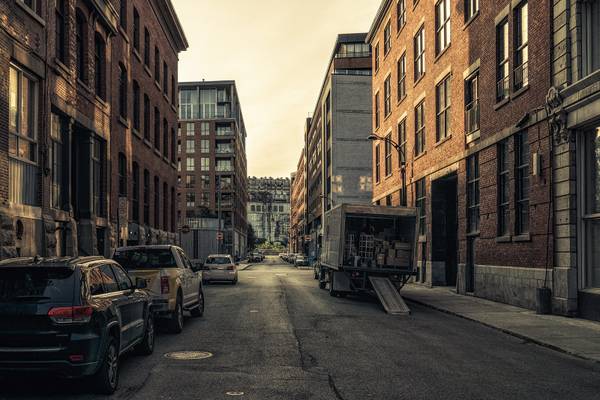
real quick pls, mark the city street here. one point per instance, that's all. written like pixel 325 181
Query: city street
pixel 275 335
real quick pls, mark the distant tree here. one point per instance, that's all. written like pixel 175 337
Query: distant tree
pixel 251 237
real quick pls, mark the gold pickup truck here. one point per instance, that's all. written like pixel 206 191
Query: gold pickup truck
pixel 172 281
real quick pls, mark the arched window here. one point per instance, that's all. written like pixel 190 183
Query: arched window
pixel 122 91
pixel 100 66
pixel 136 106
pixel 81 45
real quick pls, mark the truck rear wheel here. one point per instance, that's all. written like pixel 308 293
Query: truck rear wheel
pixel 332 292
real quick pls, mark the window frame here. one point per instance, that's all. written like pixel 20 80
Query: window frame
pixel 377 163
pixel 420 128
pixel 503 189
pixel 400 15
pixel 388 155
pixel 521 46
pixel 443 26
pixel 419 53
pixel 473 177
pixel 387 95
pixel 401 69
pixel 502 61
pixel 443 91
pixel 522 175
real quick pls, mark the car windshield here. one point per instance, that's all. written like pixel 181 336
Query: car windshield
pixel 36 284
pixel 218 260
pixel 132 259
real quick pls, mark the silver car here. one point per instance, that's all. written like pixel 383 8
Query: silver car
pixel 220 267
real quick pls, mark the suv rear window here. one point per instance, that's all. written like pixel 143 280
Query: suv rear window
pixel 36 284
pixel 218 260
pixel 145 259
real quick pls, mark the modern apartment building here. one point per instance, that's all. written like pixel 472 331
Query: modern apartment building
pixel 338 166
pixel 459 96
pixel 269 209
pixel 298 208
pixel 74 73
pixel 212 161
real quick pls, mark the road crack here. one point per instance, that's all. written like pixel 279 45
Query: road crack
pixel 334 388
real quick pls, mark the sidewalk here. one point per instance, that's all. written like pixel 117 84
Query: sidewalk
pixel 573 336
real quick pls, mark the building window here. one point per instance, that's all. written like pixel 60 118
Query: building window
pixel 156 203
pixel 471 9
pixel 34 5
pixel 190 181
pixel 502 67
pixel 442 26
pixel 204 164
pixel 521 73
pixel 165 206
pixel 388 154
pixel 420 203
pixel 443 103
pixel 165 79
pixel 388 200
pixel 387 92
pixel 205 182
pixel 420 128
pixel 387 38
pixel 376 57
pixel 190 128
pixel 146 117
pixel 173 89
pixel 377 164
pixel 135 197
pixel 146 197
pixel 157 65
pixel 173 211
pixel 522 182
pixel 402 140
pixel 473 193
pixel 165 138
pixel 401 12
pixel 80 45
pixel 146 47
pixel 123 15
pixel 190 200
pixel 122 91
pixel 173 145
pixel 136 106
pixel 190 146
pixel 190 167
pixel 56 158
pixel 402 77
pixel 590 31
pixel 205 146
pixel 419 46
pixel 100 66
pixel 376 110
pixel 591 208
pixel 156 129
pixel 122 175
pixel 23 110
pixel 61 31
pixel 503 189
pixel 472 103
pixel 136 29
pixel 204 128
pixel 98 176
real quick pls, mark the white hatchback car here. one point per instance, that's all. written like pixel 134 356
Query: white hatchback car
pixel 220 267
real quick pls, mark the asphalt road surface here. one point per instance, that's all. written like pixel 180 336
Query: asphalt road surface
pixel 275 335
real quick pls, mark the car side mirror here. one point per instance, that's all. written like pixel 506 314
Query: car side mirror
pixel 140 283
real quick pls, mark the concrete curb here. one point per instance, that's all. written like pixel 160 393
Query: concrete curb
pixel 246 267
pixel 504 330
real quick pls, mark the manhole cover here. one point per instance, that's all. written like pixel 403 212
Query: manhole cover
pixel 253 311
pixel 188 355
pixel 234 393
pixel 280 274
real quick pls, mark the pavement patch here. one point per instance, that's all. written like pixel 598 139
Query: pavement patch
pixel 188 355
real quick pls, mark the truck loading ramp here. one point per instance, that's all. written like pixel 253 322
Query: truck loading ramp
pixel 389 296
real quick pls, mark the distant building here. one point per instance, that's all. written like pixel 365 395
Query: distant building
pixel 269 208
pixel 212 163
pixel 298 208
pixel 338 153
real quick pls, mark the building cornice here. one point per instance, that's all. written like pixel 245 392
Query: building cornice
pixel 379 17
pixel 107 14
pixel 170 22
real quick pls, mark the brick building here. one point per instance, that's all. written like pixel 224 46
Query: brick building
pixel 212 160
pixel 461 91
pixel 71 79
pixel 337 170
pixel 298 208
pixel 269 208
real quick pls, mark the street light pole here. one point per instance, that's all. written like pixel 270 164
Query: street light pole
pixel 402 156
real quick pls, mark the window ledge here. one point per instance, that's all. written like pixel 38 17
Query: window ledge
pixel 174 107
pixel 137 133
pixel 444 140
pixel 147 69
pixel 137 54
pixel 147 143
pixel 470 20
pixel 103 103
pixel 423 154
pixel 157 152
pixel 422 238
pixel 124 121
pixel 473 136
pixel 519 92
pixel 473 234
pixel 504 239
pixel 157 85
pixel 526 237
pixel 401 100
pixel 31 13
pixel 62 68
pixel 123 33
pixel 441 54
pixel 401 29
pixel 83 85
pixel 419 80
pixel 501 103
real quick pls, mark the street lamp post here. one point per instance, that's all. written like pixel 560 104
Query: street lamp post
pixel 402 154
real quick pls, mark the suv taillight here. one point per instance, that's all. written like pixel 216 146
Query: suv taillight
pixel 70 315
pixel 231 268
pixel 164 284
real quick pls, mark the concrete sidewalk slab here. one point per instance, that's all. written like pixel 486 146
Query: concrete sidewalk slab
pixel 573 336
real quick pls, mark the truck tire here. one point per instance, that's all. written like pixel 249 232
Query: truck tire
pixel 146 346
pixel 175 323
pixel 106 379
pixel 198 311
pixel 332 292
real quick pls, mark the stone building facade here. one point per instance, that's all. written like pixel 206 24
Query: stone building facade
pixel 269 208
pixel 62 129
pixel 461 91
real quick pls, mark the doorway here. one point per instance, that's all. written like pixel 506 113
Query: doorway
pixel 444 207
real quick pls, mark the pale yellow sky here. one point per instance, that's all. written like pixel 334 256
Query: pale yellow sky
pixel 277 51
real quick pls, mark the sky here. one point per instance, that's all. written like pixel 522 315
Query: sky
pixel 277 51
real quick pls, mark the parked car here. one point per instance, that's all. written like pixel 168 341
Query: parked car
pixel 220 267
pixel 173 282
pixel 292 258
pixel 256 257
pixel 72 317
pixel 301 261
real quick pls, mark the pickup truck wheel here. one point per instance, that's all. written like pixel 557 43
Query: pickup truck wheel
pixel 332 292
pixel 176 320
pixel 146 347
pixel 198 311
pixel 106 379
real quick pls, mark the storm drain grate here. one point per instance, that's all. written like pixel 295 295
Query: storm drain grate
pixel 188 355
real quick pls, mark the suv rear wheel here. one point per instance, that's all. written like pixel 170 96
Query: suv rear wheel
pixel 146 346
pixel 106 379
pixel 198 311
pixel 176 320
